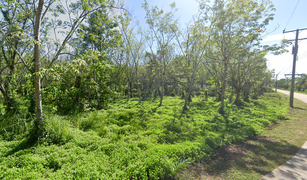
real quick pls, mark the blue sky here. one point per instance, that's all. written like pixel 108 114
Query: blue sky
pixel 186 8
pixel 284 8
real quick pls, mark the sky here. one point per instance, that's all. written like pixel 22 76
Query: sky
pixel 285 19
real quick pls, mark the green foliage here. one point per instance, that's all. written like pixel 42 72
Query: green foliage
pixel 14 125
pixel 80 85
pixel 136 141
pixel 300 84
pixel 104 138
pixel 57 131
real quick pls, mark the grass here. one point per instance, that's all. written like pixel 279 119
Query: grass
pixel 133 141
pixel 258 156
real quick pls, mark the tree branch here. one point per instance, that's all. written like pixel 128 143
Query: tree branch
pixel 19 55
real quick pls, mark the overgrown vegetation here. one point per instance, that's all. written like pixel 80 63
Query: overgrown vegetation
pixel 300 84
pixel 258 156
pixel 107 99
pixel 133 141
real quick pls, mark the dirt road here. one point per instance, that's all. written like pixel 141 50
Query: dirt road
pixel 295 168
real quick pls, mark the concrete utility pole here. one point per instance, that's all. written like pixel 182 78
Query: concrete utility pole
pixel 294 52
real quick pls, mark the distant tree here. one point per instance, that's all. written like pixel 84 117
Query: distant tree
pixel 192 45
pixel 134 48
pixel 160 38
pixel 234 25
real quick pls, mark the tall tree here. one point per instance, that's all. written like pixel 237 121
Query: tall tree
pixel 76 12
pixel 13 36
pixel 192 45
pixel 134 53
pixel 247 70
pixel 160 38
pixel 235 24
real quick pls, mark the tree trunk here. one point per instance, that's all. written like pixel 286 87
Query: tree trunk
pixel 246 95
pixel 7 99
pixel 238 99
pixel 162 91
pixel 77 96
pixel 162 83
pixel 130 89
pixel 189 88
pixel 161 97
pixel 139 93
pixel 186 99
pixel 224 86
pixel 39 123
pixel 138 84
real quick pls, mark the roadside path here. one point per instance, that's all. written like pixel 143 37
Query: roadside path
pixel 295 168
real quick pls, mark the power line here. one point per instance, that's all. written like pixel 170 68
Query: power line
pixel 292 14
pixel 294 52
pixel 285 71
pixel 304 53
pixel 302 57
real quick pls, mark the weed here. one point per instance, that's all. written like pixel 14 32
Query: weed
pixel 133 141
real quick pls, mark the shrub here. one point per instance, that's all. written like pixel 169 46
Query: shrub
pixel 57 131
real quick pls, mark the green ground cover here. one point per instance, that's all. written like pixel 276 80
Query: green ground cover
pixel 132 141
pixel 256 157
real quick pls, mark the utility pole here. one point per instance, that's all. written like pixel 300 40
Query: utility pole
pixel 294 52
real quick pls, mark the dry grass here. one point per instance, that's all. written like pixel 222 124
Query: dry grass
pixel 256 157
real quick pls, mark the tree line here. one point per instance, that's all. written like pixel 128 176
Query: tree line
pixel 300 83
pixel 73 56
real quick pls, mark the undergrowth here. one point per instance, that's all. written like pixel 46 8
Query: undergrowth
pixel 131 140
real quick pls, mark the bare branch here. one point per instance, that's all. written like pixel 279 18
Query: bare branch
pixel 47 8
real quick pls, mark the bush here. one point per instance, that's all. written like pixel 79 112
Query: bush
pixel 57 131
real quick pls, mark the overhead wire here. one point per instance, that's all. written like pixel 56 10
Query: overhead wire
pixel 303 54
pixel 302 57
pixel 292 14
pixel 285 71
pixel 283 37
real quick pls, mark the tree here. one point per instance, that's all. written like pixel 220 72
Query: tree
pixel 37 10
pixel 247 70
pixel 192 46
pixel 234 25
pixel 99 36
pixel 21 8
pixel 302 83
pixel 152 72
pixel 13 36
pixel 134 47
pixel 160 38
